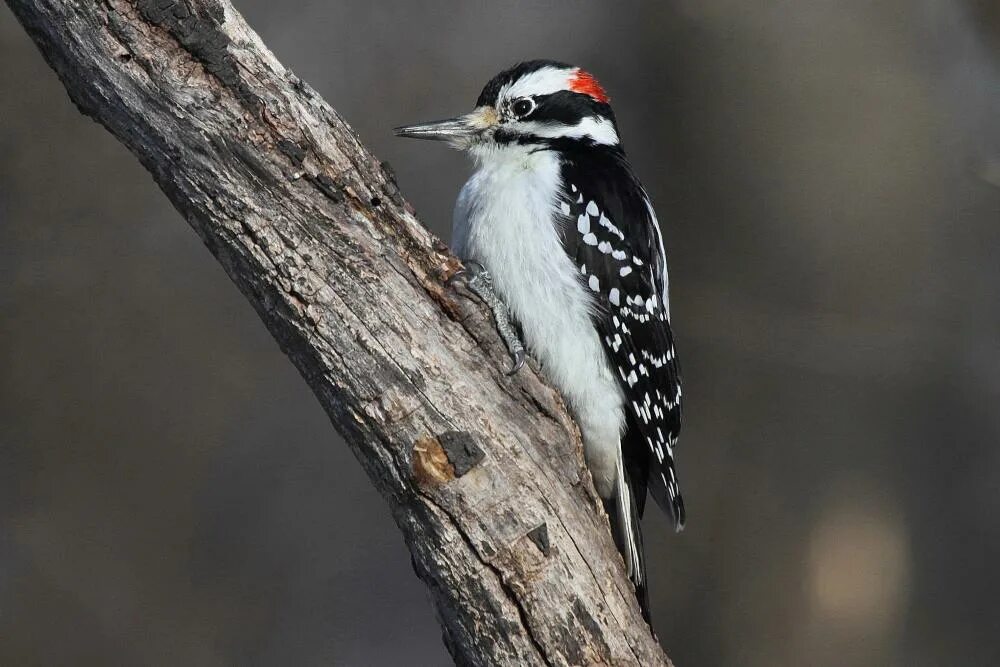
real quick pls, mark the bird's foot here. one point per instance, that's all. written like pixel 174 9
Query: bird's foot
pixel 479 280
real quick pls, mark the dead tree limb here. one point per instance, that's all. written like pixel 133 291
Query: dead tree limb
pixel 483 473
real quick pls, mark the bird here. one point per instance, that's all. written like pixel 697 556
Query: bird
pixel 559 238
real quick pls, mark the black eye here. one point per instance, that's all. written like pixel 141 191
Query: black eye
pixel 523 107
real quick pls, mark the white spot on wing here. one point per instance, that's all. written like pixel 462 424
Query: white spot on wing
pixel 608 225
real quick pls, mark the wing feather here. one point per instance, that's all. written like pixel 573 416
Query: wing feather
pixel 611 232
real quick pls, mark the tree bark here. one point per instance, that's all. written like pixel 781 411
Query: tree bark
pixel 484 473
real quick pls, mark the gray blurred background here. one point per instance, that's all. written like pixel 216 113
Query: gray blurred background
pixel 828 179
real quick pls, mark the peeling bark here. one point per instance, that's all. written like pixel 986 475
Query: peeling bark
pixel 484 473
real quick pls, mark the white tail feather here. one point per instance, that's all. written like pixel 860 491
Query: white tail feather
pixel 627 524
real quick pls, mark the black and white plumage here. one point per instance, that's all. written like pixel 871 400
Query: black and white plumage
pixel 624 262
pixel 556 216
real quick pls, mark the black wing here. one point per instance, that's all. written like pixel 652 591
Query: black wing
pixel 611 233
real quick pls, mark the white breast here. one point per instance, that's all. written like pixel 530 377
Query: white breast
pixel 504 219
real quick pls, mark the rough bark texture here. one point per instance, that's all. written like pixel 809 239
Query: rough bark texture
pixel 484 474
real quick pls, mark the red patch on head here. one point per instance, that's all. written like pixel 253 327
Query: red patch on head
pixel 585 84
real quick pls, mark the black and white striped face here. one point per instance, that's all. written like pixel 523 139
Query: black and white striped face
pixel 538 103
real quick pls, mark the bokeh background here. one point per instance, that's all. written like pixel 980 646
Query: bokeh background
pixel 828 178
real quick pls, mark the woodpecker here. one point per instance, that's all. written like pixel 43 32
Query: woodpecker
pixel 559 237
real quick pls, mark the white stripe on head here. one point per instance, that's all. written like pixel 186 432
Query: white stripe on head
pixel 544 81
pixel 597 129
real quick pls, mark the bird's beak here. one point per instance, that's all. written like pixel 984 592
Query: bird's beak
pixel 459 132
pixel 438 130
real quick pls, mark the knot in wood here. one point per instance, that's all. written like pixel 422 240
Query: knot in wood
pixel 440 459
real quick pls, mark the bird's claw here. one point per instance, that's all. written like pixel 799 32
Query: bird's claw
pixel 471 274
pixel 455 278
pixel 479 280
pixel 518 357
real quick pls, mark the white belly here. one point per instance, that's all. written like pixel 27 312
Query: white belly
pixel 504 221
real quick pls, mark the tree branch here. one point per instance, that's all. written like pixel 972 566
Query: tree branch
pixel 484 474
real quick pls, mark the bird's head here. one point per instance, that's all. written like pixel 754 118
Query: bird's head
pixel 537 104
